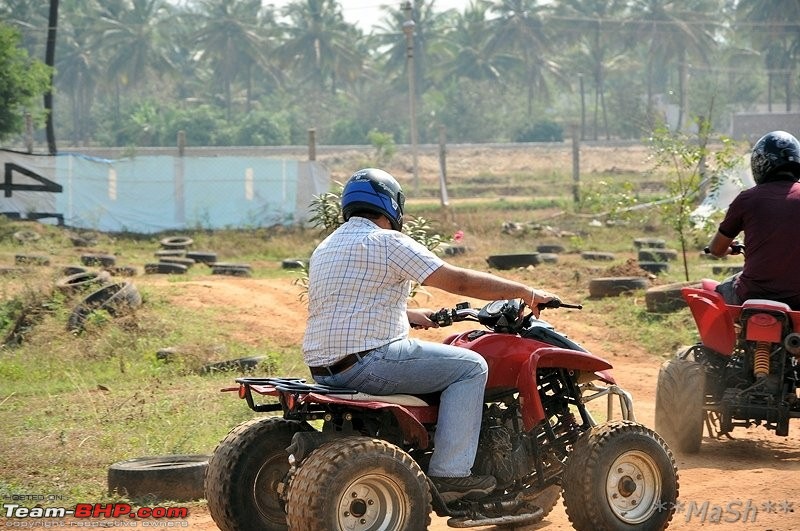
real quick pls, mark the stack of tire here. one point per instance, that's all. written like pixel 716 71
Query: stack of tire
pixel 653 256
pixel 548 252
pixel 173 257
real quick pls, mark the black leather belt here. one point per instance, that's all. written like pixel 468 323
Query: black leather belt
pixel 341 365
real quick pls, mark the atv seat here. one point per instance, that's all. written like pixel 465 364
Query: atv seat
pixel 399 399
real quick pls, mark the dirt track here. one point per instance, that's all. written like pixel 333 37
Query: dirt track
pixel 753 477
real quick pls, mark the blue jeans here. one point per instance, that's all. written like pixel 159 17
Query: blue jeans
pixel 727 288
pixel 411 366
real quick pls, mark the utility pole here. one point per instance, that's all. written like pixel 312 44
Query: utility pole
pixel 50 60
pixel 408 29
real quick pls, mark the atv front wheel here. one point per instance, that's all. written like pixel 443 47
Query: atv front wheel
pixel 358 484
pixel 244 474
pixel 620 476
pixel 680 394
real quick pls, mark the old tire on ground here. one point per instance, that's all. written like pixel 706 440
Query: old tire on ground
pixel 293 263
pixel 123 271
pixel 100 260
pixel 726 269
pixel 657 255
pixel 511 261
pixel 169 477
pixel 667 297
pixel 620 476
pixel 176 242
pixel 236 270
pixel 82 281
pixel 241 364
pixel 202 257
pixel 552 248
pixel 650 243
pixel 359 483
pixel 654 267
pixel 244 474
pixel 25 236
pixel 32 259
pixel 614 286
pixel 597 256
pixel 188 262
pixel 165 268
pixel 117 299
pixel 679 414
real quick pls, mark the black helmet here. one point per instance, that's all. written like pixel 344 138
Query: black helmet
pixel 376 191
pixel 773 152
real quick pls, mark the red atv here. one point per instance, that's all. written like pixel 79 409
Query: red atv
pixel 743 372
pixel 335 459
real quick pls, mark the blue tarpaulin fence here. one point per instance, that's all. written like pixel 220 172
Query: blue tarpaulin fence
pixel 155 193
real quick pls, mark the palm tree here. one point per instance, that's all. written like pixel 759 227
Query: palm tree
pixel 595 22
pixel 234 41
pixel 675 30
pixel 467 54
pixel 519 29
pixel 30 18
pixel 776 32
pixel 77 70
pixel 134 39
pixel 431 31
pixel 319 45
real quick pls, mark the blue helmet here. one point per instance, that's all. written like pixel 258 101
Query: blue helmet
pixel 774 152
pixel 375 191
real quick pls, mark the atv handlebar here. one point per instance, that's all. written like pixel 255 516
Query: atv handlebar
pixel 487 316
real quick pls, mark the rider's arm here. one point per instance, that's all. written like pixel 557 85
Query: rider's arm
pixel 486 286
pixel 720 245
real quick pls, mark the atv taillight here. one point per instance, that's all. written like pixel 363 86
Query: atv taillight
pixel 242 391
pixel 289 400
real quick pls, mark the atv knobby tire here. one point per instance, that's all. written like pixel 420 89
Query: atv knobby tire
pixel 244 474
pixel 679 414
pixel 358 483
pixel 620 476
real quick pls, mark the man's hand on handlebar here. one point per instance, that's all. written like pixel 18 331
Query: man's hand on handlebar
pixel 733 249
pixel 540 299
pixel 421 318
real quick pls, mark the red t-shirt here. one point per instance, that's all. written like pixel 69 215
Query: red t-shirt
pixel 769 215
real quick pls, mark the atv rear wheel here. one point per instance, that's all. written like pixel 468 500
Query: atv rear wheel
pixel 358 484
pixel 679 404
pixel 620 476
pixel 244 474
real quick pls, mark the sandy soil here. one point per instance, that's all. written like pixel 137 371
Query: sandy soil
pixel 750 477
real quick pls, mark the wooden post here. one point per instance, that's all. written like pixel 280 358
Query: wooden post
pixel 28 132
pixel 178 179
pixel 181 143
pixel 576 165
pixel 443 168
pixel 312 144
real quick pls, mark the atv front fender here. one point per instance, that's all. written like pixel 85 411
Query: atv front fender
pixel 552 357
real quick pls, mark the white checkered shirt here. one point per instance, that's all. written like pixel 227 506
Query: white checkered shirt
pixel 359 281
